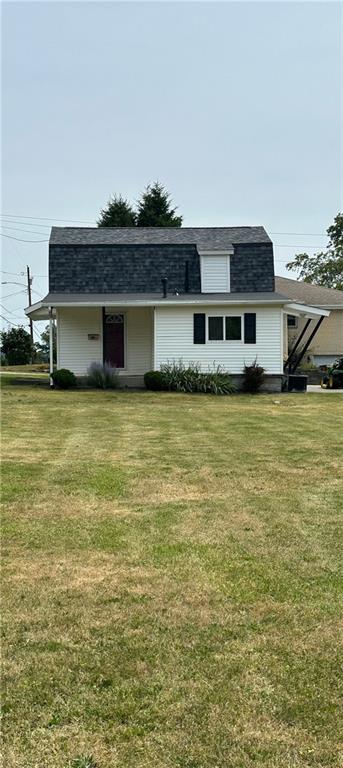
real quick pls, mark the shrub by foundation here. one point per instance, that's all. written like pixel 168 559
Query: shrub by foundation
pixel 253 377
pixel 63 378
pixel 154 380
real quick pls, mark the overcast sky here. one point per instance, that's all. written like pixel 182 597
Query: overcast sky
pixel 235 107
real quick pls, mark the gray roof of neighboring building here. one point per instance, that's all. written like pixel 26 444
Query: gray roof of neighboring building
pixel 307 293
pixel 206 238
pixel 106 299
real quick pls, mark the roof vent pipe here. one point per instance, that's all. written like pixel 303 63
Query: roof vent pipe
pixel 165 286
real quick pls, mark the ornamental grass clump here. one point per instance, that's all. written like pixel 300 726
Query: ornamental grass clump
pixel 102 376
pixel 181 378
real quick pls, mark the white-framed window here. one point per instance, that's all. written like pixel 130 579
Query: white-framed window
pixel 292 321
pixel 224 328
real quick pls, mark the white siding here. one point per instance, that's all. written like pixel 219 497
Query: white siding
pixel 74 350
pixel 215 275
pixel 139 340
pixel 174 339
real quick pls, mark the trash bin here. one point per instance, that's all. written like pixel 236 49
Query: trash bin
pixel 297 383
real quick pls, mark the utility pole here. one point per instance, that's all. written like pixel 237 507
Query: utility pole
pixel 29 283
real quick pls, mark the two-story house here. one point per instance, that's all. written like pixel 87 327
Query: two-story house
pixel 139 297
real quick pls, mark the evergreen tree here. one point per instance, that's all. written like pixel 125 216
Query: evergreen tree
pixel 154 208
pixel 117 213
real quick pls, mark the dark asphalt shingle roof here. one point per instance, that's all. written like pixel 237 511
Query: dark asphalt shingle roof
pixel 307 293
pixel 206 238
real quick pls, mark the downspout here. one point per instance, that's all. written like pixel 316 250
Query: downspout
pixel 51 347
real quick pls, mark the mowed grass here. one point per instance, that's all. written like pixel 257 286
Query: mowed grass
pixel 172 584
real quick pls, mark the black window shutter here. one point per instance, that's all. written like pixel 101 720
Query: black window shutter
pixel 250 328
pixel 199 336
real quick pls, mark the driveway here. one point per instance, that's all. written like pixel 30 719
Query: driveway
pixel 317 388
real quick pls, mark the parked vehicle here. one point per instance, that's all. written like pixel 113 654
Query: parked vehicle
pixel 333 379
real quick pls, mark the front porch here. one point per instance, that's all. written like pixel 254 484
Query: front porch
pixel 122 337
pixel 119 336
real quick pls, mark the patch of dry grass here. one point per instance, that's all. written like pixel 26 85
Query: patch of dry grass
pixel 171 580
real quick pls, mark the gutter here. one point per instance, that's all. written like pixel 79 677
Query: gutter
pixel 163 302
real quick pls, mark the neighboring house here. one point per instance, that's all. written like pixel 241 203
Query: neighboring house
pixel 139 297
pixel 328 342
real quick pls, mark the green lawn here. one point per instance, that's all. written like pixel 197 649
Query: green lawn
pixel 34 368
pixel 172 580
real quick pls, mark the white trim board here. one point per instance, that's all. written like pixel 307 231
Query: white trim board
pixel 40 311
pixel 306 311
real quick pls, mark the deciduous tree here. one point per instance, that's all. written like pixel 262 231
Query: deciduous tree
pixel 326 267
pixel 17 346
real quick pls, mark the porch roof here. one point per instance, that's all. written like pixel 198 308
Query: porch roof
pixel 40 310
pixel 304 310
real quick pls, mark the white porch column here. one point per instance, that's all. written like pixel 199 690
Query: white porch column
pixel 51 347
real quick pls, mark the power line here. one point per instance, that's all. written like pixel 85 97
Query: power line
pixel 294 245
pixel 277 245
pixel 12 312
pixel 26 223
pixel 17 309
pixel 17 325
pixel 296 234
pixel 17 229
pixel 13 274
pixel 12 294
pixel 45 218
pixel 79 221
pixel 20 240
pixel 82 221
pixel 19 274
pixel 39 288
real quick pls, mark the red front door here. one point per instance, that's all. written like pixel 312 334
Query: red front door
pixel 114 340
